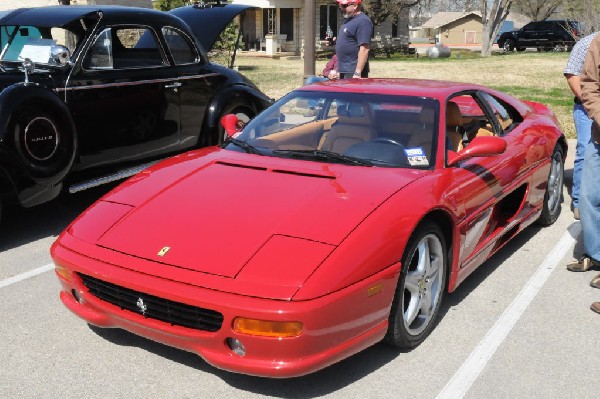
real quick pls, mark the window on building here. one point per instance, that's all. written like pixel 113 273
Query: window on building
pixel 269 21
pixel 327 19
pixel 286 22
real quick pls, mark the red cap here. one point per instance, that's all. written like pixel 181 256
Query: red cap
pixel 346 2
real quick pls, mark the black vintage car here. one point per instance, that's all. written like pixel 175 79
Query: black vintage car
pixel 86 89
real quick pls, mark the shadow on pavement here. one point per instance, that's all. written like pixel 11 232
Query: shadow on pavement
pixel 20 226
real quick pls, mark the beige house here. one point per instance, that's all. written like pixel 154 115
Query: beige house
pixel 11 4
pixel 453 28
pixel 278 26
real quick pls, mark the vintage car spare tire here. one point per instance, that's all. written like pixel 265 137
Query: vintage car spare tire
pixel 42 141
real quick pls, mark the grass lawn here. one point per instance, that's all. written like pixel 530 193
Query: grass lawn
pixel 527 75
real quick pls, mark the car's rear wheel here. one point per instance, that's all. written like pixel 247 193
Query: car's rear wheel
pixel 553 196
pixel 509 45
pixel 420 288
pixel 42 142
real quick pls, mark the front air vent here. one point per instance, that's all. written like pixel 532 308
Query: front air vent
pixel 237 165
pixel 153 307
pixel 296 173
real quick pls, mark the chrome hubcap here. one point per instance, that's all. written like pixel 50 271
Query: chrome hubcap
pixel 423 284
pixel 555 182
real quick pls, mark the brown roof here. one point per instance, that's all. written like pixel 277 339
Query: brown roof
pixel 444 18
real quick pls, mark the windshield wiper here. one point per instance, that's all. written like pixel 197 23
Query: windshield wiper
pixel 323 155
pixel 249 148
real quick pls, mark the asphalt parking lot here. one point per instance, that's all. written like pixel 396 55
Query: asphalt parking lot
pixel 519 327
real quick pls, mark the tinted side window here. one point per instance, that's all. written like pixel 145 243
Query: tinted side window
pixel 530 27
pixel 181 50
pixel 506 116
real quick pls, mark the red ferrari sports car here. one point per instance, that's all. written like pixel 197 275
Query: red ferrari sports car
pixel 337 218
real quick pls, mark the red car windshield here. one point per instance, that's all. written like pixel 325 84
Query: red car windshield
pixel 352 128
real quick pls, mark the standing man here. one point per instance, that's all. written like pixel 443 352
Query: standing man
pixel 583 124
pixel 590 179
pixel 353 40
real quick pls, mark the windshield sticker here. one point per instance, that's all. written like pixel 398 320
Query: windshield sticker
pixel 416 156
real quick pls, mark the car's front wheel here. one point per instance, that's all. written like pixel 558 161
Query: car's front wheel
pixel 553 196
pixel 509 45
pixel 420 288
pixel 42 142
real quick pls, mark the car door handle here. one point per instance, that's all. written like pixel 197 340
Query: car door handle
pixel 173 85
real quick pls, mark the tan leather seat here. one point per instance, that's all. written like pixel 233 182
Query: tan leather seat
pixel 454 122
pixel 354 125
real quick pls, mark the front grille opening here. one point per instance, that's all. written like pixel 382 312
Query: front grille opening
pixel 153 307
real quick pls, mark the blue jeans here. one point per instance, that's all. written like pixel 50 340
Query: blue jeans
pixel 589 204
pixel 583 127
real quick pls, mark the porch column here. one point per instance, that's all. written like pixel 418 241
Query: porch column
pixel 310 20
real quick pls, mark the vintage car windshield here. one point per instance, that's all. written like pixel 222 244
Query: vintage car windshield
pixel 349 128
pixel 39 44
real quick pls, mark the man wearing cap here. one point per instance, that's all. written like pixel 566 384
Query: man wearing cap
pixel 353 40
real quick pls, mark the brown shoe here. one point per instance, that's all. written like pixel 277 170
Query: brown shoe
pixel 576 213
pixel 595 307
pixel 595 282
pixel 582 265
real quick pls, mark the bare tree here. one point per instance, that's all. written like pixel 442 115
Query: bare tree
pixel 492 19
pixel 586 12
pixel 379 10
pixel 539 10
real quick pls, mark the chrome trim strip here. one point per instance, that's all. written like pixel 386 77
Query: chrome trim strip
pixel 135 83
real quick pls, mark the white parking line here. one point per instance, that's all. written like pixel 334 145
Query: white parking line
pixel 26 275
pixel 462 380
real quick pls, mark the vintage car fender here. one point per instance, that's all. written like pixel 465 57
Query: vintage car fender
pixel 38 140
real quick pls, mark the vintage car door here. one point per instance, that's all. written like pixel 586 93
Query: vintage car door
pixel 124 98
pixel 196 84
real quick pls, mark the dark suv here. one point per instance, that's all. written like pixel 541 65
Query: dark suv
pixel 544 35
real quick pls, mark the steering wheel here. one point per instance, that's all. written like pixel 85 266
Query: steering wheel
pixel 387 140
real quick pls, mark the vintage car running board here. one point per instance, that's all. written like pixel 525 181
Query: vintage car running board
pixel 98 181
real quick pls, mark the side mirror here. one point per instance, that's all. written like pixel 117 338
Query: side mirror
pixel 232 124
pixel 485 146
pixel 59 54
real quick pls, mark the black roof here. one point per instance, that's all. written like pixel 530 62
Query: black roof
pixel 63 15
pixel 206 21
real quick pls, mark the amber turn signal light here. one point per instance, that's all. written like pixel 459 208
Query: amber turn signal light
pixel 63 273
pixel 276 329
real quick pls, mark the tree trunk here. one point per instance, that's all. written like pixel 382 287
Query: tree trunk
pixel 492 22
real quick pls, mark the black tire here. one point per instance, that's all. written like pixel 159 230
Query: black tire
pixel 422 283
pixel 243 113
pixel 508 45
pixel 44 144
pixel 553 197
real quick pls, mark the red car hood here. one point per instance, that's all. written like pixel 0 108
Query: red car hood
pixel 215 214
